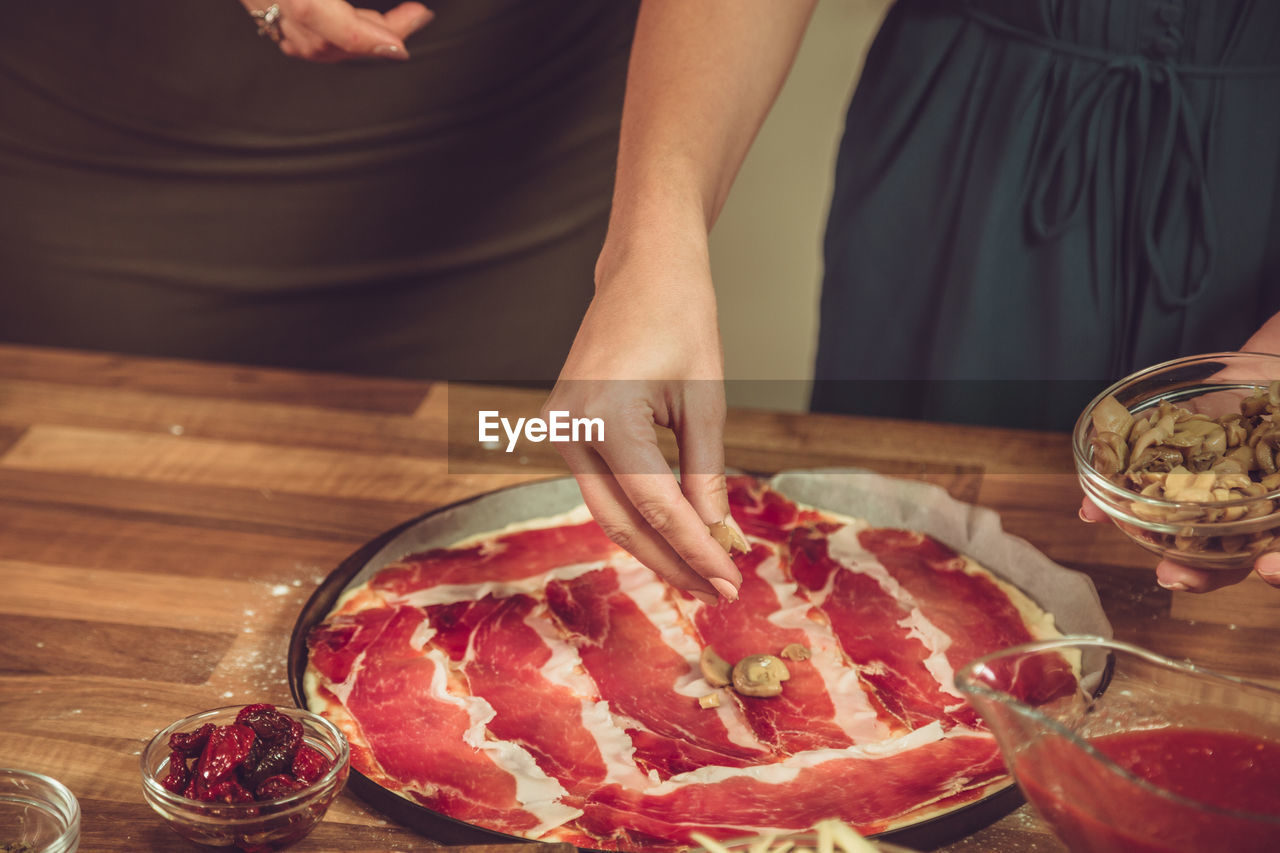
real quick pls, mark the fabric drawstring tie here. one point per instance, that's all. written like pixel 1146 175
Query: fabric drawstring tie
pixel 1158 131
pixel 1143 93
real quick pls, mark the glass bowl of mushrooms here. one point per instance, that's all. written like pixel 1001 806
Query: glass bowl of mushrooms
pixel 1185 457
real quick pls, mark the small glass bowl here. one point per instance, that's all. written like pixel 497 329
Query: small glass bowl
pixel 257 827
pixel 1177 529
pixel 38 811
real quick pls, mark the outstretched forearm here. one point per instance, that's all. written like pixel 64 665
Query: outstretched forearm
pixel 702 77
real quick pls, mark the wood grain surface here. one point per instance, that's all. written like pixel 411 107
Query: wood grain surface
pixel 163 522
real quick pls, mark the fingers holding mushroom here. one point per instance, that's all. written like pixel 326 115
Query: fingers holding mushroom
pixel 728 536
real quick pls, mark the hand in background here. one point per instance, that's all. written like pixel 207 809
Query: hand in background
pixel 334 30
pixel 647 355
pixel 1180 578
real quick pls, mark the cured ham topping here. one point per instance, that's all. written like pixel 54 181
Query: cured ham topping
pixel 866 787
pixel 640 675
pixel 540 682
pixel 511 557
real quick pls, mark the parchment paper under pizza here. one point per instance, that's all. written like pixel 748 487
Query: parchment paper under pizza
pixel 536 680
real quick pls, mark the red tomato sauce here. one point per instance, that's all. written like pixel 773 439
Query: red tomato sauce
pixel 1095 810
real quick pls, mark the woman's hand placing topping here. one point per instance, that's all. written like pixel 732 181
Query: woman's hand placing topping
pixel 334 30
pixel 647 355
pixel 700 80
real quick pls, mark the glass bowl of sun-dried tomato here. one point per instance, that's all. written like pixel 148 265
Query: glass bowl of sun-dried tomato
pixel 256 777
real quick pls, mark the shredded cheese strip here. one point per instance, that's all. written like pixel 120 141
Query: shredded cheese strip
pixel 829 836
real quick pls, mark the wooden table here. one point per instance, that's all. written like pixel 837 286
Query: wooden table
pixel 162 523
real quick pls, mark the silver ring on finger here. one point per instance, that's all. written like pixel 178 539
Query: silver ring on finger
pixel 268 20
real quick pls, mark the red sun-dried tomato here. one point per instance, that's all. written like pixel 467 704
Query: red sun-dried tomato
pixel 255 709
pixel 226 750
pixel 261 756
pixel 279 785
pixel 272 761
pixel 310 764
pixel 191 744
pixel 227 790
pixel 266 722
pixel 179 775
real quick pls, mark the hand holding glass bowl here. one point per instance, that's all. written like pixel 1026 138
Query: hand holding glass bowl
pixel 254 826
pixel 1184 457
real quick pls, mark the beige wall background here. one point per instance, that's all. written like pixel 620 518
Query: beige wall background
pixel 766 247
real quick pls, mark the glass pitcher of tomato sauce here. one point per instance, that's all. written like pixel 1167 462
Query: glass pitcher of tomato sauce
pixel 1137 753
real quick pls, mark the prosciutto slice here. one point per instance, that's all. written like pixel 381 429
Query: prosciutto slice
pixel 540 682
pixel 426 740
pixel 763 513
pixel 505 660
pixel 512 556
pixel 866 788
pixel 949 594
pixel 874 628
pixel 640 675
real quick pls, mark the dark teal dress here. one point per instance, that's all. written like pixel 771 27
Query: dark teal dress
pixel 1036 197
